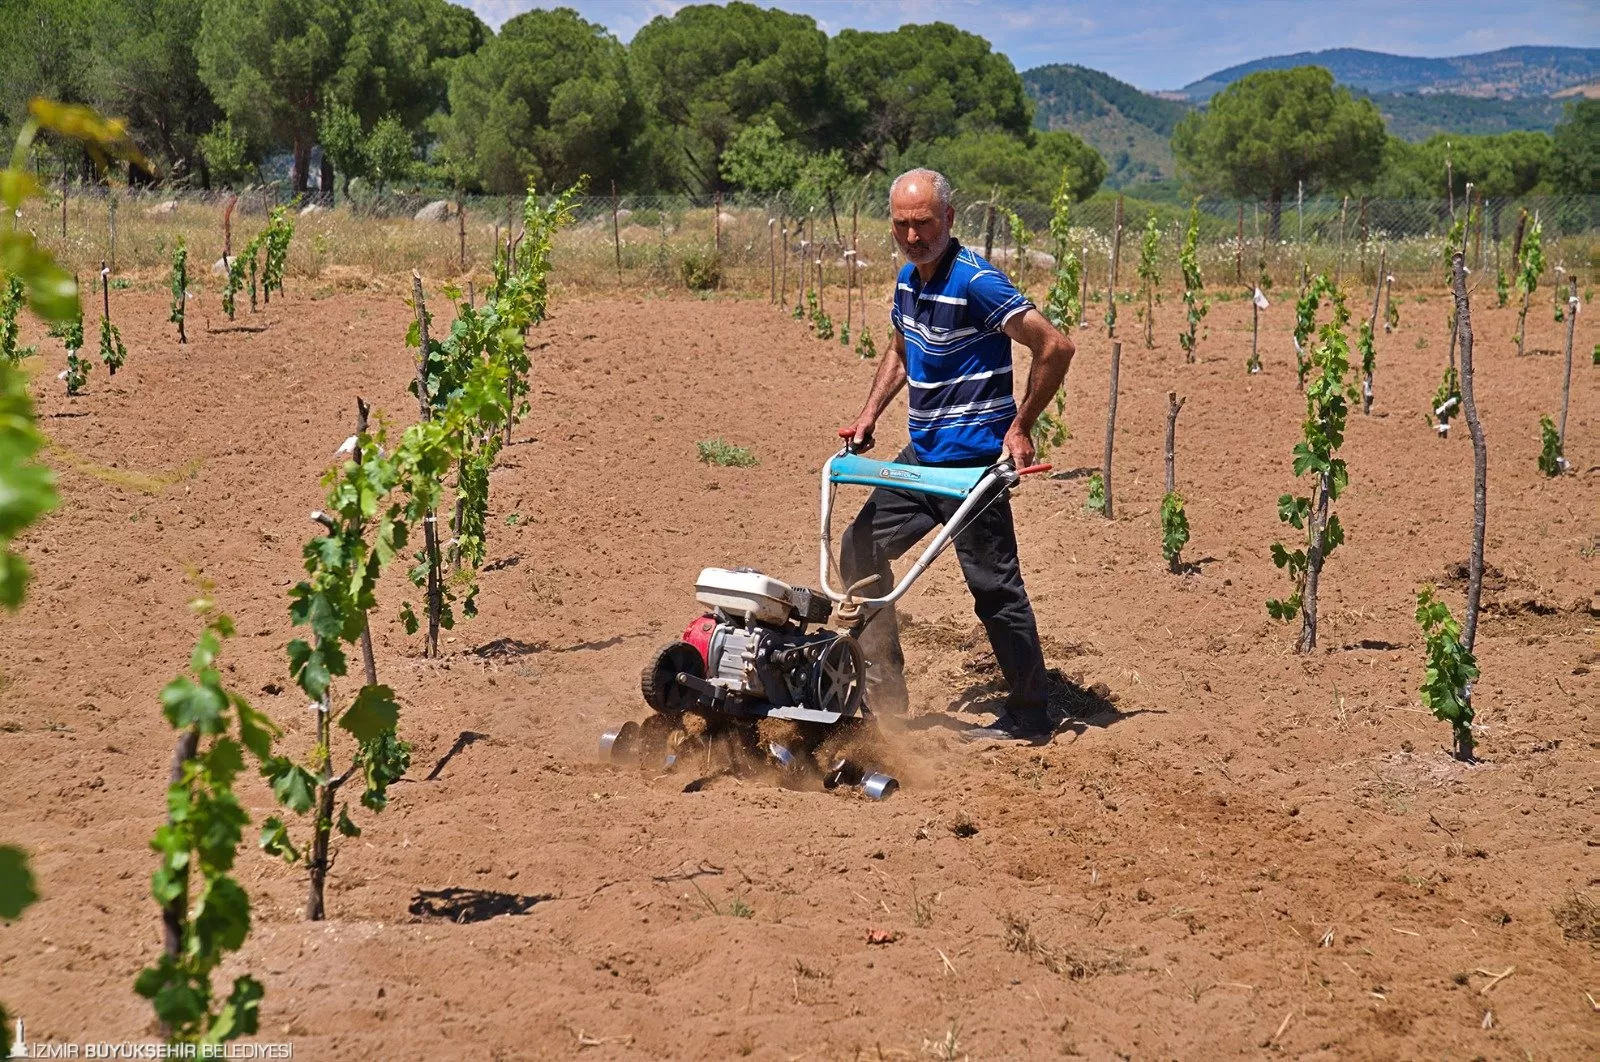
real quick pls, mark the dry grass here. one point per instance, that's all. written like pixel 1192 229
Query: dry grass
pixel 1018 936
pixel 1579 918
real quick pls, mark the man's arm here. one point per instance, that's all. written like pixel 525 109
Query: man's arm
pixel 888 381
pixel 1052 353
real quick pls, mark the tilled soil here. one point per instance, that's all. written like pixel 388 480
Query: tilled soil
pixel 1230 849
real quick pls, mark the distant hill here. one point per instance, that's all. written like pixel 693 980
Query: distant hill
pixel 1527 70
pixel 1131 129
pixel 1417 117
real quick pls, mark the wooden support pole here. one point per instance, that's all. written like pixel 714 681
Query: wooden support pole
pixel 430 533
pixel 716 209
pixel 1111 273
pixel 988 227
pixel 1111 423
pixel 1255 332
pixel 1338 259
pixel 461 235
pixel 616 230
pixel 1388 283
pixel 1238 249
pixel 1083 291
pixel 111 224
pixel 783 281
pixel 1480 464
pixel 1174 407
pixel 1372 332
pixel 1566 379
pixel 772 259
pixel 63 200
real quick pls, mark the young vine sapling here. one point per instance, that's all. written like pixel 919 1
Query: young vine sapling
pixel 1449 669
pixel 204 920
pixel 1174 521
pixel 12 297
pixel 1552 462
pixel 112 353
pixel 180 287
pixel 1063 308
pixel 1149 279
pixel 1328 398
pixel 1530 267
pixel 1194 304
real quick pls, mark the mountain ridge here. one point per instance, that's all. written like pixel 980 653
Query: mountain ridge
pixel 1506 73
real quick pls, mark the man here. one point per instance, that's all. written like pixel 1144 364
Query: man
pixel 954 318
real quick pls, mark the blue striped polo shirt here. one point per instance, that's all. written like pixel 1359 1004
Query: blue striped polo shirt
pixel 958 361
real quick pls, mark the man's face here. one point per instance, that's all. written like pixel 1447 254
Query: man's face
pixel 921 226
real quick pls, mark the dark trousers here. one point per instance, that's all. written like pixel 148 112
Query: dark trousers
pixel 889 524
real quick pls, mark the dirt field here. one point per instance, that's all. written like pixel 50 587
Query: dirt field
pixel 1249 853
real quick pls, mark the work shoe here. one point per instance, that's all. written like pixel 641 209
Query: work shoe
pixel 1009 728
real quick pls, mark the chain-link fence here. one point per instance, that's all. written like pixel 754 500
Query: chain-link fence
pixel 758 246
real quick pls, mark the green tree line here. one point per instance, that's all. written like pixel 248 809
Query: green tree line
pixel 714 98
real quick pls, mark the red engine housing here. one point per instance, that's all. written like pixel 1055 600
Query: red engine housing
pixel 698 634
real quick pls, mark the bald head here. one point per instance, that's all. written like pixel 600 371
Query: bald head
pixel 919 205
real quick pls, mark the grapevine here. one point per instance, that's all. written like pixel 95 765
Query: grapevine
pixel 1551 460
pixel 11 300
pixel 204 826
pixel 1446 400
pixel 1019 239
pixel 1149 279
pixel 180 287
pixel 278 233
pixel 1305 321
pixel 866 349
pixel 1530 266
pixel 1327 407
pixel 1450 669
pixel 112 353
pixel 1174 529
pixel 1063 308
pixel 70 332
pixel 1096 502
pixel 1194 306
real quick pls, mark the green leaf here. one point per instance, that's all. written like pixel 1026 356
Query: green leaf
pixel 224 761
pixel 17 889
pixel 275 840
pixel 222 920
pixel 408 618
pixel 346 827
pixel 1332 536
pixel 373 712
pixel 187 704
pixel 256 730
pixel 309 670
pixel 241 1014
pixel 292 784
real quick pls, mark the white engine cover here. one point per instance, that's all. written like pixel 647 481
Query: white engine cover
pixel 748 595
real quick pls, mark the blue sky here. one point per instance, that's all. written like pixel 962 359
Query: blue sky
pixel 1158 44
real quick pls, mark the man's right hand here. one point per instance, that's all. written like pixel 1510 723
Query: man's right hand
pixel 860 433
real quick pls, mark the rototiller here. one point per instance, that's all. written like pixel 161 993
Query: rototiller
pixel 763 668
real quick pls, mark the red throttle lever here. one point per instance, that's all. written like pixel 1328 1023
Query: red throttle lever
pixel 848 432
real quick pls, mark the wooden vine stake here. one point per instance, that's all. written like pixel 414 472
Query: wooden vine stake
pixel 616 230
pixel 1480 459
pixel 1174 407
pixel 1111 286
pixel 1372 338
pixel 772 258
pixel 430 532
pixel 1566 380
pixel 783 280
pixel 369 664
pixel 1111 424
pixel 461 235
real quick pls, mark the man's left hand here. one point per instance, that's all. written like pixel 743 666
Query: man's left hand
pixel 1019 447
